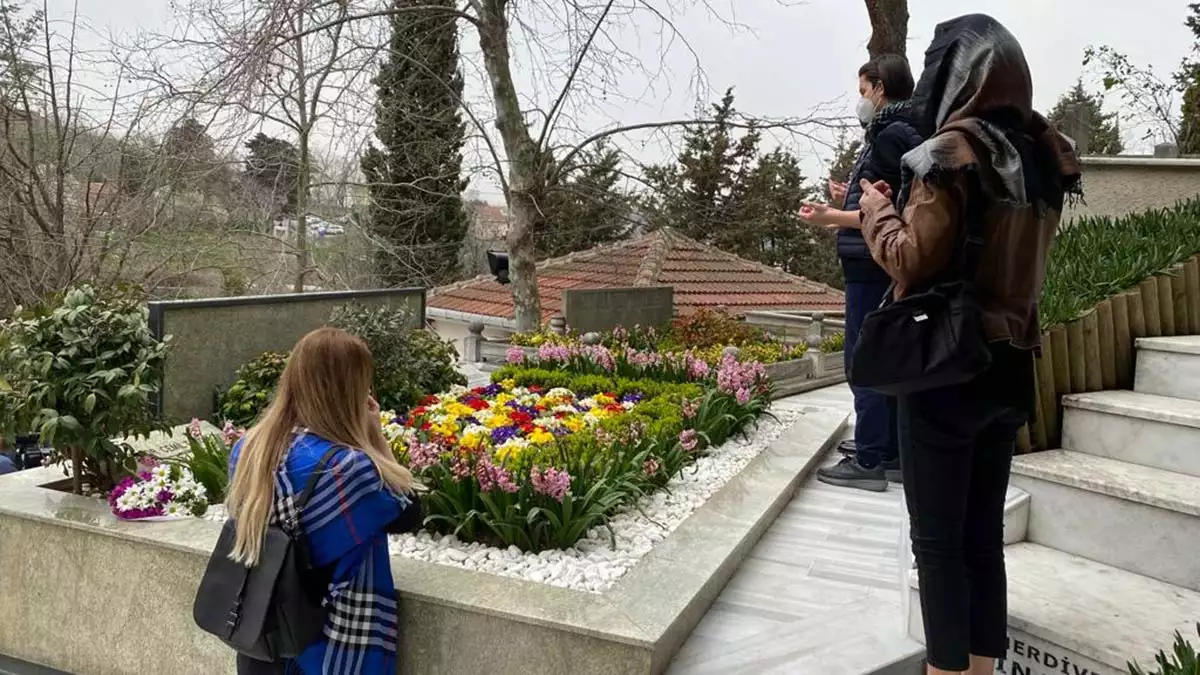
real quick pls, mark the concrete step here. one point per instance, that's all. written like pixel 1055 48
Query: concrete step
pixel 1067 613
pixel 1135 518
pixel 1169 366
pixel 1155 431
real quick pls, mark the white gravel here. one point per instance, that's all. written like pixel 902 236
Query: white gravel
pixel 594 564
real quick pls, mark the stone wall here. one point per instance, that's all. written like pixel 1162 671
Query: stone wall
pixel 602 309
pixel 1118 186
pixel 212 338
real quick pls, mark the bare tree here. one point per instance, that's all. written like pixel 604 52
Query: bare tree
pixel 79 187
pixel 575 53
pixel 228 59
pixel 889 27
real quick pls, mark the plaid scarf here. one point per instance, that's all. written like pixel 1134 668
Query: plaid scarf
pixel 345 524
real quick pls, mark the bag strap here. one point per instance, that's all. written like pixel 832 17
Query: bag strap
pixel 302 499
pixel 972 238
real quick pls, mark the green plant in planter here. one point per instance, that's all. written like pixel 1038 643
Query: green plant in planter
pixel 80 370
pixel 242 403
pixel 1182 661
pixel 409 364
pixel 831 344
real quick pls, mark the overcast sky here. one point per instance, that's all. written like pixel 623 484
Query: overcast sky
pixel 794 56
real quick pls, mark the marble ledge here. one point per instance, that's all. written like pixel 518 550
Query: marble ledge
pixel 1183 344
pixel 1137 405
pixel 659 600
pixel 1153 487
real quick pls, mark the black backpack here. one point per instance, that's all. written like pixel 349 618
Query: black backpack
pixel 271 611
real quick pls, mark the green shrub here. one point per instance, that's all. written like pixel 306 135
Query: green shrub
pixel 81 369
pixel 409 364
pixel 250 394
pixel 832 344
pixel 1182 661
pixel 1096 258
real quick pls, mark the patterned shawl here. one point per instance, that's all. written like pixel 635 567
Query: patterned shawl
pixel 344 522
pixel 976 81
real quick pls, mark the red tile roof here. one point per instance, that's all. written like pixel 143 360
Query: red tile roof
pixel 701 275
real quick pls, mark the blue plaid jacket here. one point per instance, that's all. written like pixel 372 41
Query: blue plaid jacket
pixel 345 523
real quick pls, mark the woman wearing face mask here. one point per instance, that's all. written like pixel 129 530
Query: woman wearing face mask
pixel 995 162
pixel 885 85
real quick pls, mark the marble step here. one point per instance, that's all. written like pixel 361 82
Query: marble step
pixel 1135 518
pixel 1097 611
pixel 1155 431
pixel 1064 609
pixel 1169 366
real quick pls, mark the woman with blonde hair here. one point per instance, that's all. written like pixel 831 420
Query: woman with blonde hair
pixel 323 410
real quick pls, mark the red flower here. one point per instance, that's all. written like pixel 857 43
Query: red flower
pixel 429 400
pixel 478 404
pixel 426 426
pixel 560 415
pixel 520 417
pixel 527 428
pixel 535 389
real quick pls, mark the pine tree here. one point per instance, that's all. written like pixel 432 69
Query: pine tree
pixel 274 166
pixel 587 207
pixel 1105 132
pixel 845 154
pixel 414 178
pixel 722 192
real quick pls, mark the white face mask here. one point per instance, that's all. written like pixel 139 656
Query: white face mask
pixel 865 111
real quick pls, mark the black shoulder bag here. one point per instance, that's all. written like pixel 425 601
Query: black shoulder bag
pixel 932 339
pixel 271 611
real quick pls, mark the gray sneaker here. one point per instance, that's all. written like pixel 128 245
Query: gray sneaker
pixel 891 468
pixel 849 473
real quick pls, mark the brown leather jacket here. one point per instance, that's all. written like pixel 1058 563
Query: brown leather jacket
pixel 918 244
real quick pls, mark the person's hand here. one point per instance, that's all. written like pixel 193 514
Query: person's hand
pixel 875 197
pixel 837 192
pixel 815 214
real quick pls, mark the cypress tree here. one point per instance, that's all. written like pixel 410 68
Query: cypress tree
pixel 414 176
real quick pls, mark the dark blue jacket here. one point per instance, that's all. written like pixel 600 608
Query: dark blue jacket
pixel 889 137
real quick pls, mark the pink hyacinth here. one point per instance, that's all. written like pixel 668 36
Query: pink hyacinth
pixel 742 396
pixel 491 477
pixel 231 434
pixel 691 409
pixel 733 376
pixel 554 353
pixel 515 355
pixel 698 369
pixel 651 467
pixel 552 482
pixel 194 429
pixel 601 356
pixel 460 469
pixel 689 439
pixel 421 456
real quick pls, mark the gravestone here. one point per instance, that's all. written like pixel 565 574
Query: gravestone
pixel 603 309
pixel 166 445
pixel 1030 655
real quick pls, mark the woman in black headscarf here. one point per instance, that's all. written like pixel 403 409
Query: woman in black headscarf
pixel 990 157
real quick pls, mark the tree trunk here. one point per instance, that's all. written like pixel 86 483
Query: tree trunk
pixel 526 177
pixel 77 469
pixel 889 27
pixel 302 182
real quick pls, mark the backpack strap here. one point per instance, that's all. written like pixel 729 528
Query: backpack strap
pixel 302 498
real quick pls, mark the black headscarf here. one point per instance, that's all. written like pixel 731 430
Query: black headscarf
pixel 976 81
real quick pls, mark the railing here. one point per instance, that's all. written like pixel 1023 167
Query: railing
pixel 1096 351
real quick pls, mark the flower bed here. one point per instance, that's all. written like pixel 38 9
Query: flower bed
pixel 598 560
pixel 704 334
pixel 539 459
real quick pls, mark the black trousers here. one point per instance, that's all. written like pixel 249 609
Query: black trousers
pixel 249 666
pixel 956 447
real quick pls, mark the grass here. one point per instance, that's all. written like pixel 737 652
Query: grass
pixel 1096 258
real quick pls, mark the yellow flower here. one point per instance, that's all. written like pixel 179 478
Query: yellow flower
pixel 574 424
pixel 502 399
pixel 459 409
pixel 604 399
pixel 507 385
pixel 472 441
pixel 497 421
pixel 541 436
